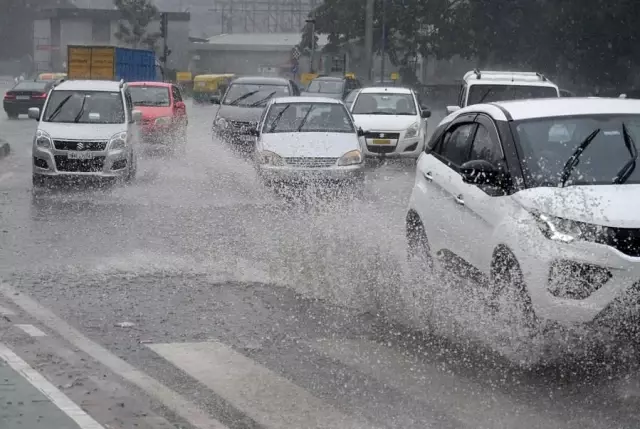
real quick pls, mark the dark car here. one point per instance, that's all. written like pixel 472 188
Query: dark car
pixel 333 87
pixel 243 104
pixel 26 94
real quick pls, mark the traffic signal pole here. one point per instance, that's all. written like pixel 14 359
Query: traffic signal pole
pixel 164 27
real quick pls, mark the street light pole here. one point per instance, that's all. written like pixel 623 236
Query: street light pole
pixel 384 40
pixel 312 21
pixel 368 40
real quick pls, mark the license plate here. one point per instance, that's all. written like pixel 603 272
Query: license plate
pixel 80 155
pixel 246 138
pixel 381 141
pixel 23 97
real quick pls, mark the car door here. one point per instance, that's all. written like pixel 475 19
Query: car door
pixel 482 206
pixel 439 184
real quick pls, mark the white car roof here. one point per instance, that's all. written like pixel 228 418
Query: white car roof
pixel 88 85
pixel 389 89
pixel 289 100
pixel 490 77
pixel 518 110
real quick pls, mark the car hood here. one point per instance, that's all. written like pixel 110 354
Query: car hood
pixel 337 96
pixel 81 131
pixel 385 122
pixel 240 113
pixel 606 205
pixel 330 145
pixel 154 112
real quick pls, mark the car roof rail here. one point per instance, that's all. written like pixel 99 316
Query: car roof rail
pixel 58 81
pixel 477 73
pixel 542 77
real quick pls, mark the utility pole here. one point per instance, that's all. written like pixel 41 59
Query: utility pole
pixel 368 39
pixel 164 31
pixel 312 21
pixel 384 40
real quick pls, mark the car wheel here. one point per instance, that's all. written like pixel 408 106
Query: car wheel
pixel 38 182
pixel 418 249
pixel 12 115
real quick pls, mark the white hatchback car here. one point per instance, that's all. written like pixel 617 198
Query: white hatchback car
pixel 543 197
pixel 393 121
pixel 308 139
pixel 87 128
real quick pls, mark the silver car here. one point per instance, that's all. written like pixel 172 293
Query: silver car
pixel 85 129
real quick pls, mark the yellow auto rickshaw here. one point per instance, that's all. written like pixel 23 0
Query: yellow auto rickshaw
pixel 52 76
pixel 206 85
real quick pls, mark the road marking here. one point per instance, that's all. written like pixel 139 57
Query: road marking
pixel 59 399
pixel 272 401
pixel 4 311
pixel 32 330
pixel 172 400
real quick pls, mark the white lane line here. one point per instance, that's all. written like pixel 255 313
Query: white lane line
pixel 4 311
pixel 59 399
pixel 32 330
pixel 172 400
pixel 270 400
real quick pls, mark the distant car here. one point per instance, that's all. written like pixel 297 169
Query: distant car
pixel 393 121
pixel 303 139
pixel 25 94
pixel 164 114
pixel 351 97
pixel 333 87
pixel 243 104
pixel 86 129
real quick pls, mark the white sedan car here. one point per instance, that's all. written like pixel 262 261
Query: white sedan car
pixel 303 139
pixel 543 197
pixel 393 121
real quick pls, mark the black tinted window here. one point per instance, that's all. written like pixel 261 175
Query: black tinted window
pixel 492 93
pixel 455 146
pixel 484 147
pixel 176 94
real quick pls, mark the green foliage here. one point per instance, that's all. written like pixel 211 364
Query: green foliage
pixel 137 15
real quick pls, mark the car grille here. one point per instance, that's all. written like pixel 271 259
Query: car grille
pixel 380 135
pixel 80 145
pixel 240 124
pixel 381 149
pixel 79 165
pixel 311 162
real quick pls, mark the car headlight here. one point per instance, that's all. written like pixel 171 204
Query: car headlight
pixel 350 158
pixel 567 231
pixel 412 131
pixel 221 123
pixel 118 141
pixel 270 158
pixel 164 120
pixel 43 140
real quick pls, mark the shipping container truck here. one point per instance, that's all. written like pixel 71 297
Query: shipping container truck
pixel 112 63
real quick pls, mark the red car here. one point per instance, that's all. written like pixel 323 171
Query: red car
pixel 164 114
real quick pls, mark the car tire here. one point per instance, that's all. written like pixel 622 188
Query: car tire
pixel 12 115
pixel 418 249
pixel 38 182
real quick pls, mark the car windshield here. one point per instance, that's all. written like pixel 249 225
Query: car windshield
pixel 308 117
pixel 253 95
pixel 492 93
pixel 150 95
pixel 384 104
pixel 30 86
pixel 547 145
pixel 96 107
pixel 326 86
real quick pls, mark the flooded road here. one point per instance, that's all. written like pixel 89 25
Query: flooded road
pixel 195 297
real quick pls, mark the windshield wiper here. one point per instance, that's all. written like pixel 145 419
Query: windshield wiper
pixel 81 112
pixel 242 97
pixel 626 171
pixel 489 91
pixel 58 109
pixel 304 120
pixel 257 103
pixel 575 157
pixel 277 118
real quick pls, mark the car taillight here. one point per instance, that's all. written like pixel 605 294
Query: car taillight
pixel 8 96
pixel 43 95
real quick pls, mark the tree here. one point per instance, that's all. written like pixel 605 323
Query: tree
pixel 137 15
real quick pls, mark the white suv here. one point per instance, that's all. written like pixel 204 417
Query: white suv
pixel 490 86
pixel 542 197
pixel 85 129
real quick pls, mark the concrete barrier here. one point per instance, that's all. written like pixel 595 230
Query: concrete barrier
pixel 5 149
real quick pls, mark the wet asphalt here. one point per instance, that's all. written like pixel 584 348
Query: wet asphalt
pixel 197 250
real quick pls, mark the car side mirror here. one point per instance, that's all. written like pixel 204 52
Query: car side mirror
pixel 136 115
pixel 425 113
pixel 360 132
pixel 34 113
pixel 481 172
pixel 180 105
pixel 451 109
pixel 254 132
pixel 214 99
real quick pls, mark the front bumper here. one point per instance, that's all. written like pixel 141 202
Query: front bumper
pixel 288 174
pixel 397 148
pixel 540 256
pixel 56 163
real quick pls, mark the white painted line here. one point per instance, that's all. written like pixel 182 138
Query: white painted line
pixel 5 176
pixel 4 311
pixel 270 400
pixel 32 330
pixel 58 398
pixel 172 400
